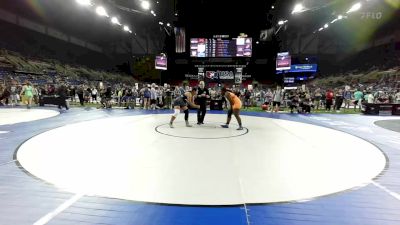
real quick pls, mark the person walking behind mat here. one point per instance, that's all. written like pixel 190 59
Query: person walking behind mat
pixel 182 103
pixel 62 96
pixel 27 91
pixel 235 105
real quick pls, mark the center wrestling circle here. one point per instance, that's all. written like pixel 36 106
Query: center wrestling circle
pixel 210 130
pixel 278 161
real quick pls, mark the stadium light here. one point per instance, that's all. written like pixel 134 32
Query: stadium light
pixel 161 23
pixel 298 8
pixel 355 7
pixel 145 5
pixel 326 25
pixel 168 24
pixel 340 17
pixel 320 29
pixel 126 28
pixel 114 20
pixel 272 7
pixel 101 11
pixel 333 21
pixel 84 2
pixel 281 22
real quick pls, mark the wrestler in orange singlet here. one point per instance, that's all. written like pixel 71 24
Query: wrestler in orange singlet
pixel 236 104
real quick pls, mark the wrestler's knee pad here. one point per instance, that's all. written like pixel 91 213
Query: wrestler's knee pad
pixel 176 112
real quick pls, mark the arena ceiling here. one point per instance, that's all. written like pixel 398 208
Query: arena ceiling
pixel 72 18
pixel 199 17
pixel 223 16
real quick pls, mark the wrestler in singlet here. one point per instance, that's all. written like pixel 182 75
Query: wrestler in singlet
pixel 237 104
pixel 182 103
pixel 234 109
pixel 186 100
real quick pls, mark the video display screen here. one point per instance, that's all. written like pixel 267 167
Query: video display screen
pixel 161 62
pixel 283 61
pixel 301 68
pixel 212 47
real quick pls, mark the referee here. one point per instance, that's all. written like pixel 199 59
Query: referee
pixel 202 95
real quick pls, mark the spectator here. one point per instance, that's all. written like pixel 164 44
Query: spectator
pixel 306 104
pixel 347 98
pixel 62 95
pixel 120 94
pixel 168 97
pixel 370 98
pixel 397 97
pixel 247 95
pixel 317 98
pixel 4 95
pixel 146 97
pixel 72 93
pixel 14 94
pixel 323 99
pixel 294 102
pixel 338 99
pixel 128 99
pixel 153 97
pixel 358 99
pixel 27 91
pixel 278 97
pixel 94 95
pixel 269 97
pixel 80 92
pixel 106 98
pixel 35 95
pixel 329 100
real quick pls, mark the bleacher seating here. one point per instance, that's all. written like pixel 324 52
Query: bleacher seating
pixel 50 71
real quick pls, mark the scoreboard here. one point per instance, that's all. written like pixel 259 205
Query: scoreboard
pixel 217 47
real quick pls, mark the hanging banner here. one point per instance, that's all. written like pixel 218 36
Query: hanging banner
pixel 220 75
pixel 200 73
pixel 180 39
pixel 239 75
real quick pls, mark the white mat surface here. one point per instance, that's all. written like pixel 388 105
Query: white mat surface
pixel 19 115
pixel 276 161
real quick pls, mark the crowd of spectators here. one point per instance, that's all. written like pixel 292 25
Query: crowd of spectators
pixel 105 93
pixel 302 99
pixel 348 91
